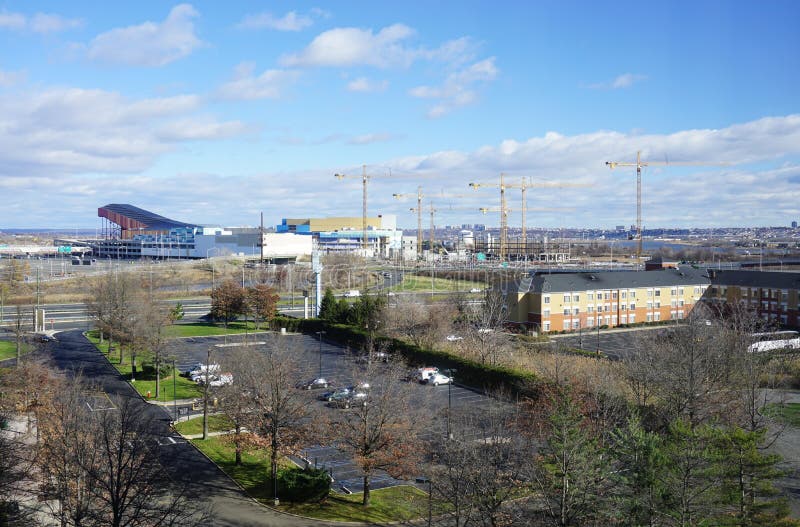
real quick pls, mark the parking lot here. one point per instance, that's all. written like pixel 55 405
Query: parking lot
pixel 337 365
pixel 615 344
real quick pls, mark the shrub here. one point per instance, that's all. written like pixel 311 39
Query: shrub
pixel 304 485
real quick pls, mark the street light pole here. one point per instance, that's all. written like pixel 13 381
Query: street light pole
pixel 320 333
pixel 174 390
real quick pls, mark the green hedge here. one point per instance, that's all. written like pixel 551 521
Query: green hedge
pixel 304 485
pixel 469 372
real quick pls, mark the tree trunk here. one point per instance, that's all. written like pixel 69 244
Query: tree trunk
pixel 273 456
pixel 158 376
pixel 365 503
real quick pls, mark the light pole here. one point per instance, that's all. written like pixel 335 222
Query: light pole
pixel 174 390
pixel 320 333
pixel 449 372
pixel 212 264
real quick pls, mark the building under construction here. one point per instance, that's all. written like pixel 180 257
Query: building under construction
pixel 517 249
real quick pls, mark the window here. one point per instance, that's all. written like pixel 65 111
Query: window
pixel 576 298
pixel 589 322
pixel 649 305
pixel 631 318
pixel 673 315
pixel 649 317
pixel 658 292
pixel 623 319
pixel 649 293
pixel 632 294
pixel 546 313
pixel 696 290
pixel 680 303
pixel 566 311
pixel 590 309
pixel 567 297
pixel 546 326
pixel 614 295
pixel 658 304
pixel 633 306
pixel 673 303
pixel 658 315
pixel 624 293
pixel 590 296
pixel 680 291
pixel 576 311
pixel 605 295
pixel 575 324
pixel 547 299
pixel 624 307
pixel 673 291
pixel 565 325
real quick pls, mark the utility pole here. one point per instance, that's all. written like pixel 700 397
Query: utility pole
pixel 205 395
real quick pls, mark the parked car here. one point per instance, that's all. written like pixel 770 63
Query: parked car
pixel 475 290
pixel 379 356
pixel 199 371
pixel 47 338
pixel 438 378
pixel 338 392
pixel 341 400
pixel 222 380
pixel 423 374
pixel 454 338
pixel 313 384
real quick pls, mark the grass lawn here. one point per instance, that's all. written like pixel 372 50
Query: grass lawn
pixel 788 413
pixel 423 283
pixel 8 349
pixel 393 504
pixel 216 423
pixel 183 388
pixel 386 505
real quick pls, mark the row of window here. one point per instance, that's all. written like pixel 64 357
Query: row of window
pixel 613 307
pixel 627 294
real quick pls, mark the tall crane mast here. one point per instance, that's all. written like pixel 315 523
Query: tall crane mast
pixel 639 164
pixel 418 209
pixel 431 232
pixel 524 184
pixel 364 177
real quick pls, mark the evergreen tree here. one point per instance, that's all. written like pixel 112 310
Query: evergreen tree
pixel 328 308
pixel 640 457
pixel 748 485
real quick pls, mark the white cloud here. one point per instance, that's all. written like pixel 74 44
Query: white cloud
pixel 370 138
pixel 12 20
pixel 150 43
pixel 365 85
pixel 10 78
pixel 626 80
pixel 49 23
pixel 245 86
pixel 352 46
pixel 291 21
pixel 39 22
pixel 65 131
pixel 458 88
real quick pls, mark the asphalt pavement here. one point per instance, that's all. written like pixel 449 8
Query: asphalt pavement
pixel 185 464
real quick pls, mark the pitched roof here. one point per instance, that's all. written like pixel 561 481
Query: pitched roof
pixel 763 279
pixel 586 281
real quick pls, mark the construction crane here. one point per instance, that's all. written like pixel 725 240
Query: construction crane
pixel 639 164
pixel 364 177
pixel 431 233
pixel 523 185
pixel 418 210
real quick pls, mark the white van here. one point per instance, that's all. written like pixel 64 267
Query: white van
pixel 423 374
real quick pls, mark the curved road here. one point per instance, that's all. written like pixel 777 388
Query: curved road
pixel 206 482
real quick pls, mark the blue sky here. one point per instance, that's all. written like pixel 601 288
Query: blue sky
pixel 214 111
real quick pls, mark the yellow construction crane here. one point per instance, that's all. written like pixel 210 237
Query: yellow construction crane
pixel 418 210
pixel 364 177
pixel 431 232
pixel 523 185
pixel 639 164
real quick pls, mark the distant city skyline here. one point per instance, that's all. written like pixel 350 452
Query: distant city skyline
pixel 214 112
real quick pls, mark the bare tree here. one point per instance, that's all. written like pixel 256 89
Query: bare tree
pixel 110 301
pixel 483 326
pixel 103 468
pixel 279 409
pixel 423 325
pixel 380 431
pixel 237 398
pixel 482 467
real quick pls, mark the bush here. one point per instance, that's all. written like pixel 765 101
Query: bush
pixel 149 370
pixel 304 485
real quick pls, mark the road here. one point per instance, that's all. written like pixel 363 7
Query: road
pixel 205 481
